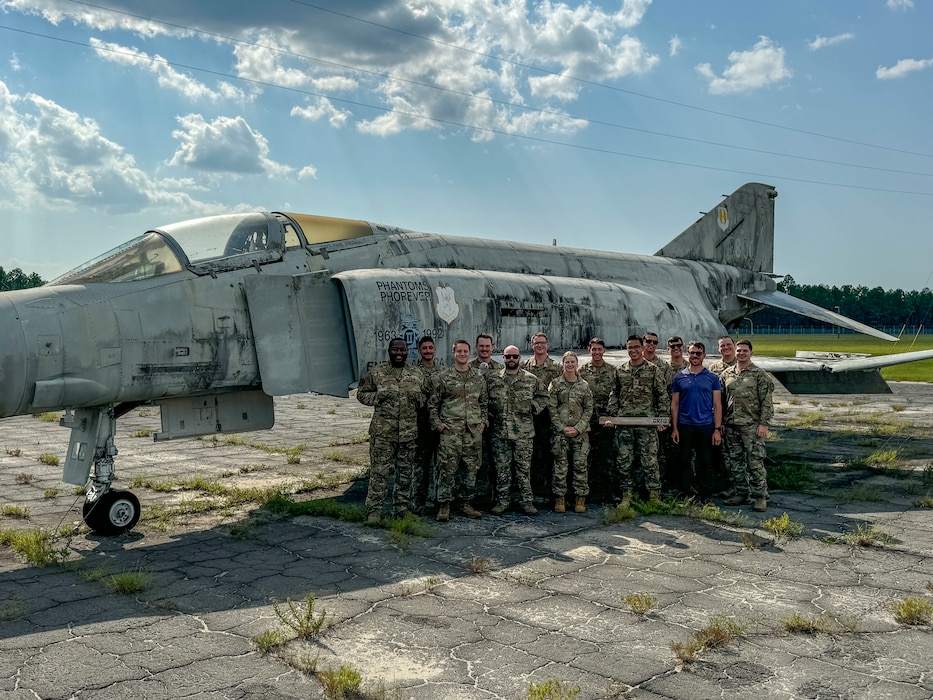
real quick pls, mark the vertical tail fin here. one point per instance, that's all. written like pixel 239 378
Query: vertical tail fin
pixel 739 231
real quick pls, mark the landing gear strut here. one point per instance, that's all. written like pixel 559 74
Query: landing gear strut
pixel 106 511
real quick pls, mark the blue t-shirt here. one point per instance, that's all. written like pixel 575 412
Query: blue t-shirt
pixel 696 396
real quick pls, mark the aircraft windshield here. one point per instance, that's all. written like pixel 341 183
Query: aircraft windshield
pixel 141 258
pixel 228 235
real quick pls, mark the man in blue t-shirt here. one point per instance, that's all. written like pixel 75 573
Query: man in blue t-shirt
pixel 696 417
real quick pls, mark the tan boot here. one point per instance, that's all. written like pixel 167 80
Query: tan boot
pixel 760 505
pixel 626 501
pixel 373 517
pixel 443 513
pixel 580 507
pixel 559 506
pixel 654 495
pixel 471 512
pixel 529 508
pixel 499 508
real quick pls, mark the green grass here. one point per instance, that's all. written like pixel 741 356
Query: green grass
pixel 787 345
pixel 790 477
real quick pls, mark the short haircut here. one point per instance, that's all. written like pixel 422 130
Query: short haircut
pixel 697 344
pixel 597 341
pixel 539 334
pixel 635 337
pixel 483 335
pixel 650 333
pixel 675 339
pixel 425 339
pixel 725 337
pixel 461 341
pixel 745 341
pixel 398 340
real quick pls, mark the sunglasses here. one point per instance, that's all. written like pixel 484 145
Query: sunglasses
pixel 649 341
pixel 695 352
pixel 675 345
pixel 511 357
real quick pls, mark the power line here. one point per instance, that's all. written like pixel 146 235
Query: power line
pixel 449 122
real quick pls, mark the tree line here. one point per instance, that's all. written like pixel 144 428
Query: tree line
pixel 873 306
pixel 17 279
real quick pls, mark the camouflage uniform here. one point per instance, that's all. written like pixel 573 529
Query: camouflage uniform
pixel 396 394
pixel 514 400
pixel 570 405
pixel 668 452
pixel 459 400
pixel 485 479
pixel 424 477
pixel 602 440
pixel 721 467
pixel 747 404
pixel 542 458
pixel 638 391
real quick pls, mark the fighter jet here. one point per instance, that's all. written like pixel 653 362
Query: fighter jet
pixel 211 318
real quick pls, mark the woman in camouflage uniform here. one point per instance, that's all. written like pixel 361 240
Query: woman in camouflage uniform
pixel 570 402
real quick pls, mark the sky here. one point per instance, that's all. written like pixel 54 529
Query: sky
pixel 608 124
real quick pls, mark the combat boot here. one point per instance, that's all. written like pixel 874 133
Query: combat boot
pixel 761 505
pixel 499 508
pixel 559 506
pixel 471 512
pixel 736 500
pixel 373 517
pixel 654 495
pixel 626 501
pixel 580 507
pixel 529 508
pixel 443 513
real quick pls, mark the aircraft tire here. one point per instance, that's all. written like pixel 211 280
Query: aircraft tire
pixel 113 513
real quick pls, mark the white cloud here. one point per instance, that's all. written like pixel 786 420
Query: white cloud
pixel 821 42
pixel 51 157
pixel 900 4
pixel 225 145
pixel 309 171
pixel 263 64
pixel 759 67
pixel 323 108
pixel 674 45
pixel 167 76
pixel 902 68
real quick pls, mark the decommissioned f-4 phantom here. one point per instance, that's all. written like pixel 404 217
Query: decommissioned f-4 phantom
pixel 213 317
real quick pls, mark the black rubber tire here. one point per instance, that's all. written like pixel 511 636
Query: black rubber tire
pixel 113 513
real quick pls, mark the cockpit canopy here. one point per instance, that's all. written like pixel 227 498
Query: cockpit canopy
pixel 208 245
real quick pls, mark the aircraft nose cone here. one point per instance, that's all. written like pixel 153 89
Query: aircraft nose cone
pixel 12 359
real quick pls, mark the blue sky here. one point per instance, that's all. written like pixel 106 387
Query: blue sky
pixel 606 125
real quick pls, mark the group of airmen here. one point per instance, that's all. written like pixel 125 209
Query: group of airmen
pixel 549 429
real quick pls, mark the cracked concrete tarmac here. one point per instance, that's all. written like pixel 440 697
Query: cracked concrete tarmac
pixel 422 618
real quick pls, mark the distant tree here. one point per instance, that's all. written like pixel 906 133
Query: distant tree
pixel 17 279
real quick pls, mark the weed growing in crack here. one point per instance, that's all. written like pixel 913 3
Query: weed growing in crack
pixel 783 527
pixel 867 535
pixel 479 565
pixel 719 632
pixel 551 690
pixel 912 611
pixel 301 618
pixel 640 603
pixel 797 624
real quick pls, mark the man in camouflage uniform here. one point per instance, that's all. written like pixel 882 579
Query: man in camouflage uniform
pixel 485 365
pixel 650 342
pixel 570 403
pixel 542 459
pixel 668 452
pixel 515 397
pixel 458 406
pixel 638 391
pixel 396 392
pixel 425 474
pixel 721 467
pixel 600 376
pixel 749 408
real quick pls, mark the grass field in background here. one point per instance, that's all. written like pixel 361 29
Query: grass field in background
pixel 788 345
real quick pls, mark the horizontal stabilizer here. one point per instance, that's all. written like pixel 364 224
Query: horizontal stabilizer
pixel 852 364
pixel 785 302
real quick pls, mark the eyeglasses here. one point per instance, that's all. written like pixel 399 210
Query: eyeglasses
pixel 511 357
pixel 649 341
pixel 695 352
pixel 675 345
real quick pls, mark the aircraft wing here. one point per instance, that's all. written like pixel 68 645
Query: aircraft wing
pixel 848 364
pixel 785 302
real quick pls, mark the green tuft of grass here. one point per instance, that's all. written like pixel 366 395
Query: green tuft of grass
pixel 36 547
pixel 640 603
pixel 267 641
pixel 797 624
pixel 281 504
pixel 719 632
pixel 912 611
pixel 143 433
pixel 924 502
pixel 340 684
pixel 861 493
pixel 611 515
pixel 301 618
pixel 49 494
pixel 11 609
pixel 783 527
pixel 49 459
pixel 479 565
pixel 13 511
pixel 48 416
pixel 882 458
pixel 867 535
pixel 790 477
pixel 805 420
pixel 551 689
